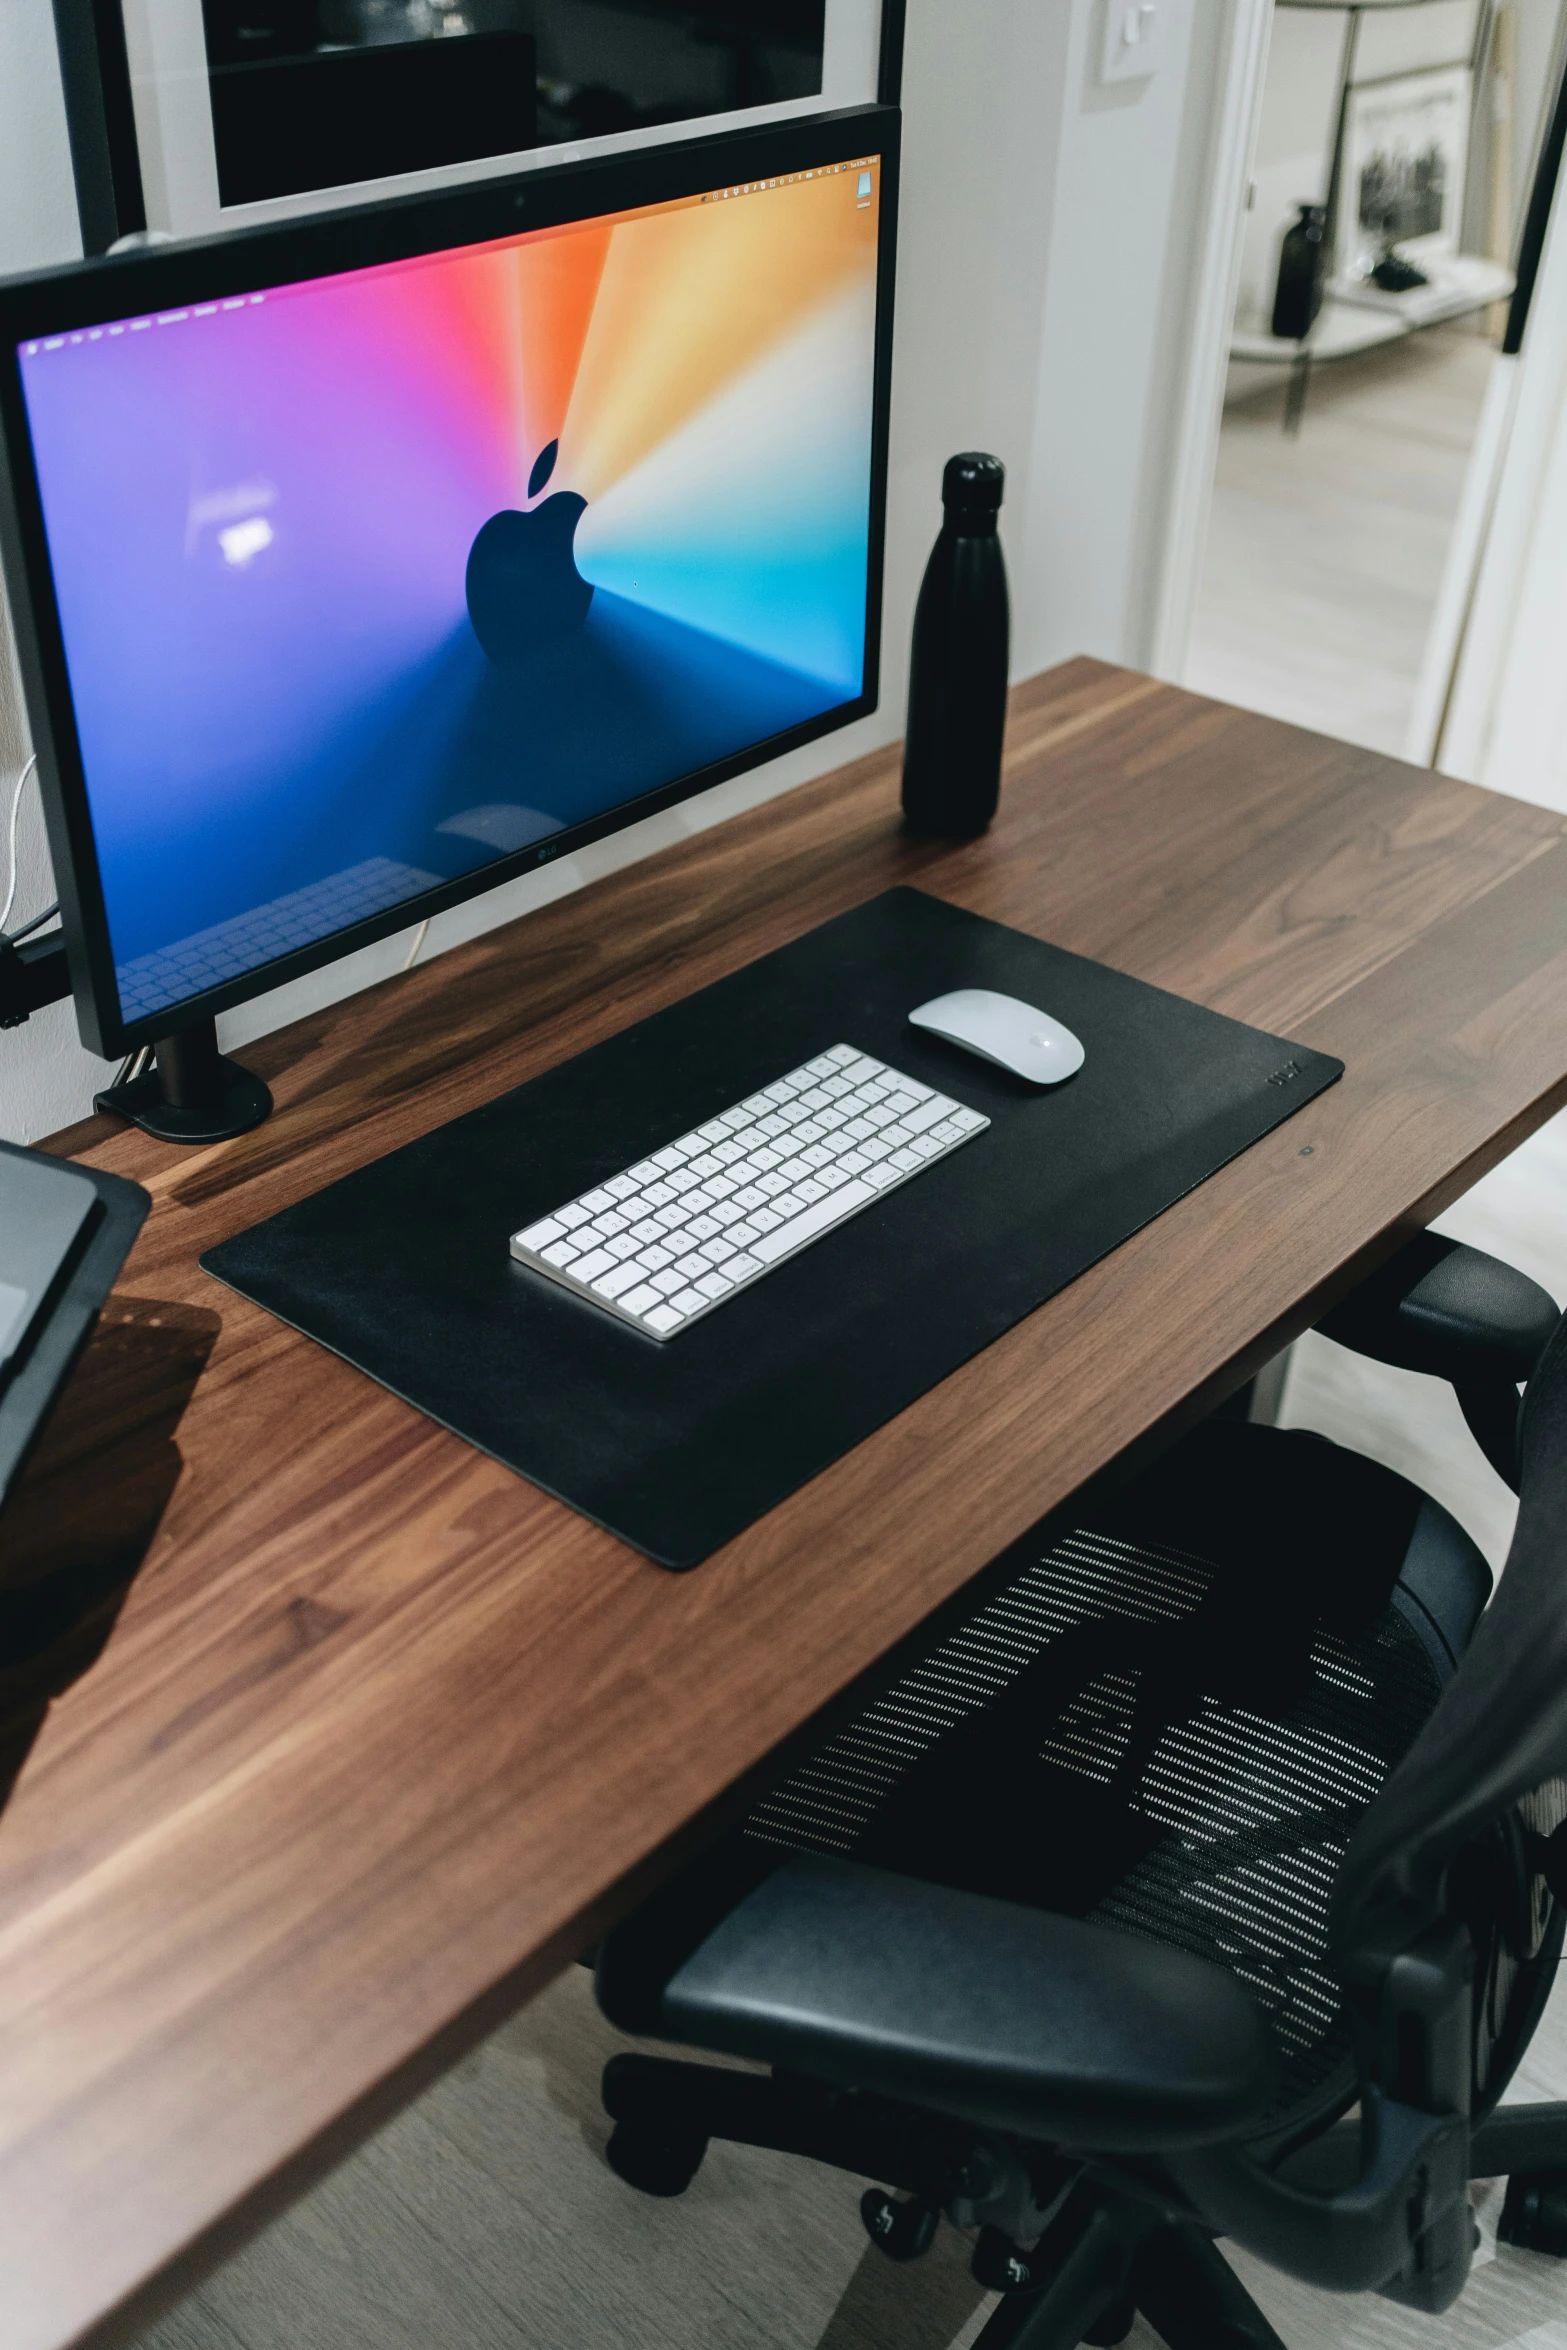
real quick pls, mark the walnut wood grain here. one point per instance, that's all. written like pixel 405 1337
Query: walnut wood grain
pixel 377 1736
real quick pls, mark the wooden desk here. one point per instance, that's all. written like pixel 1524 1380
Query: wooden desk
pixel 378 1736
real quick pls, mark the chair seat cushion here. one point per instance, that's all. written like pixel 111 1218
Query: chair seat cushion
pixel 1006 2017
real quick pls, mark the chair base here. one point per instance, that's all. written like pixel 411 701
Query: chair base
pixel 1075 2263
pixel 1527 2144
pixel 1097 2261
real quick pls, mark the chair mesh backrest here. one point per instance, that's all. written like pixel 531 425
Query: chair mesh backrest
pixel 1247 1811
pixel 1497 1743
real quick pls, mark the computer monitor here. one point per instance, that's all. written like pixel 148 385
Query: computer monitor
pixel 359 565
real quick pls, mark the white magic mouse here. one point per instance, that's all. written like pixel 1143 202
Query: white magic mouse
pixel 999 1028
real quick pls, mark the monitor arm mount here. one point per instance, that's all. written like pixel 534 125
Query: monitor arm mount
pixel 32 974
pixel 180 1089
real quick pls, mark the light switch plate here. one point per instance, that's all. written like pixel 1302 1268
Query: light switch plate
pixel 1134 39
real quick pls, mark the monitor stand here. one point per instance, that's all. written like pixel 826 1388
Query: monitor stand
pixel 191 1093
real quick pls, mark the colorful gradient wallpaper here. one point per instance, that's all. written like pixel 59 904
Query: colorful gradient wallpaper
pixel 368 581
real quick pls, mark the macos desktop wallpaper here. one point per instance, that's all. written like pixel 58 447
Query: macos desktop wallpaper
pixel 368 581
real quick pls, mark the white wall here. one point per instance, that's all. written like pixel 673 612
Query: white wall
pixel 1049 240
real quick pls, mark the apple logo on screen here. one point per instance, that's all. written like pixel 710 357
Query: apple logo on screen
pixel 524 588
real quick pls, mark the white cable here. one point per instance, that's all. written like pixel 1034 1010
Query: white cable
pixel 16 809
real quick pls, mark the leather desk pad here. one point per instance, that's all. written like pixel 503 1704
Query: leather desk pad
pixel 403 1268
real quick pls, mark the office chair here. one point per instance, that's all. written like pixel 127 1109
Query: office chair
pixel 1235 1810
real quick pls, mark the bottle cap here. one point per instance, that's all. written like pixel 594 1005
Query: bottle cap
pixel 971 483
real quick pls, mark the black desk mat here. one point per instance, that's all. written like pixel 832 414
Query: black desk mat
pixel 403 1267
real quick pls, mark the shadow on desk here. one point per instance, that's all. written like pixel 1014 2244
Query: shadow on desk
pixel 82 1517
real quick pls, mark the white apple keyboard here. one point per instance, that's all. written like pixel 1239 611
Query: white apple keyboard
pixel 672 1237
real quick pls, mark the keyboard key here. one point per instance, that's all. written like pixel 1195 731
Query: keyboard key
pixel 774 1245
pixel 560 1252
pixel 637 1301
pixel 714 1285
pixel 664 1319
pixel 593 1201
pixel 668 1283
pixel 616 1284
pixel 689 1301
pixel 702 1228
pixel 741 1268
pixel 688 1267
pixel 589 1268
pixel 968 1120
pixel 539 1236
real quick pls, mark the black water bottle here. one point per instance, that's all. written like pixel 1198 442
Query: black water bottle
pixel 1302 261
pixel 958 672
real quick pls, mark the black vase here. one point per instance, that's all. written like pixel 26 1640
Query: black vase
pixel 1302 261
pixel 958 668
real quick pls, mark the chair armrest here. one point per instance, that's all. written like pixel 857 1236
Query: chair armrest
pixel 1461 1316
pixel 1008 2017
pixel 1453 1311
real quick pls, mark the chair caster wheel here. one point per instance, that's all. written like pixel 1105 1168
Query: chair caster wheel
pixel 1000 2265
pixel 654 2163
pixel 902 2230
pixel 1113 2323
pixel 1534 2217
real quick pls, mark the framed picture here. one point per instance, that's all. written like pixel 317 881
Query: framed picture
pixel 1406 143
pixel 191 116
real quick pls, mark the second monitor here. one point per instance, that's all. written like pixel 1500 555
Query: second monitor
pixel 364 564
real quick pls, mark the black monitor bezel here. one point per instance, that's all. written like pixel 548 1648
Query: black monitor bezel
pixel 401 228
